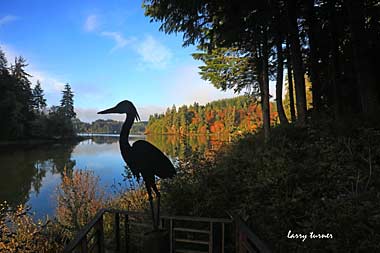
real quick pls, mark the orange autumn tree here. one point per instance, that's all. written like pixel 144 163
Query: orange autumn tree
pixel 227 116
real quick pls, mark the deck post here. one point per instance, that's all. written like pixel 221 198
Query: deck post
pixel 171 235
pixel 126 228
pixel 237 237
pixel 223 237
pixel 117 230
pixel 83 245
pixel 210 246
pixel 100 231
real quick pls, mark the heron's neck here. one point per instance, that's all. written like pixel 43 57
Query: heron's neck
pixel 124 134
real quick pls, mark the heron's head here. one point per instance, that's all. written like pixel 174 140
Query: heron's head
pixel 123 107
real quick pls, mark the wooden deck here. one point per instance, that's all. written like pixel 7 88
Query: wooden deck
pixel 122 231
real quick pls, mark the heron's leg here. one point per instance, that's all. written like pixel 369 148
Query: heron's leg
pixel 148 188
pixel 158 196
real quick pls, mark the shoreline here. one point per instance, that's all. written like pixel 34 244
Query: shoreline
pixel 32 142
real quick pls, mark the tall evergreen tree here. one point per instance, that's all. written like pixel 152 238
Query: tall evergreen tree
pixel 7 122
pixel 332 42
pixel 3 62
pixel 39 102
pixel 67 102
pixel 23 98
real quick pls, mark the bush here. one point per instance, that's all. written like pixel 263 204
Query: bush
pixel 19 232
pixel 79 198
pixel 323 178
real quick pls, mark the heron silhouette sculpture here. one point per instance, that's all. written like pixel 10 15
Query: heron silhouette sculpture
pixel 142 157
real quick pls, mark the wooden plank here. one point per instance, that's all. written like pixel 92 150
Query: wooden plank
pixel 192 230
pixel 189 251
pixel 211 238
pixel 191 241
pixel 137 224
pixel 199 219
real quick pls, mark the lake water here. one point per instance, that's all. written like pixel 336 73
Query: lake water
pixel 31 174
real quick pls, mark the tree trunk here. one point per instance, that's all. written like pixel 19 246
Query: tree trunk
pixel 295 47
pixel 365 78
pixel 279 83
pixel 334 75
pixel 314 65
pixel 263 57
pixel 290 84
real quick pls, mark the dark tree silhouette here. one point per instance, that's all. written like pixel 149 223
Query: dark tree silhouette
pixel 67 102
pixel 142 157
pixel 39 102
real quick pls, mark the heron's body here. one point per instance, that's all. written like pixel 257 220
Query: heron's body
pixel 142 157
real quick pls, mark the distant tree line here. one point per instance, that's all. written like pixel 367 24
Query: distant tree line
pixel 226 116
pixel 23 110
pixel 107 126
pixel 244 44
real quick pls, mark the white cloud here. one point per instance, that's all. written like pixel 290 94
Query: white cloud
pixel 188 87
pixel 120 40
pixel 153 52
pixel 10 54
pixel 90 114
pixel 146 111
pixel 49 84
pixel 7 19
pixel 91 23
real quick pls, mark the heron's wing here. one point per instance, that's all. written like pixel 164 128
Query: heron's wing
pixel 152 160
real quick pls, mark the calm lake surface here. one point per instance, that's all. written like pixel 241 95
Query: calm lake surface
pixel 31 174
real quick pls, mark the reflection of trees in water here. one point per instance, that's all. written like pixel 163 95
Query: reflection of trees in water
pixel 24 167
pixel 182 146
pixel 173 145
pixel 112 139
pixel 105 139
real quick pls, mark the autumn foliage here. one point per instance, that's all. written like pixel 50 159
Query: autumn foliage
pixel 20 233
pixel 79 197
pixel 227 116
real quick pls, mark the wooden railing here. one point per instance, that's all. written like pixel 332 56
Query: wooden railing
pixel 195 234
pixel 91 237
pixel 186 234
pixel 246 240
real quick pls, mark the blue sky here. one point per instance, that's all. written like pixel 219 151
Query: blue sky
pixel 107 50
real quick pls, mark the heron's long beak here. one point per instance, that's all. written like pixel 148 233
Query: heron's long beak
pixel 110 110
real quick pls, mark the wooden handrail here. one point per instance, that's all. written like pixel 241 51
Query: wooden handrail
pixel 83 232
pixel 199 219
pixel 97 221
pixel 246 240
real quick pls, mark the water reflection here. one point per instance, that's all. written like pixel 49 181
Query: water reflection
pixel 182 146
pixel 24 168
pixel 30 174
